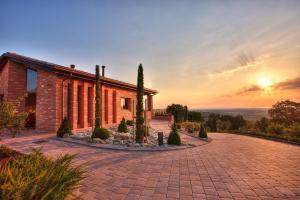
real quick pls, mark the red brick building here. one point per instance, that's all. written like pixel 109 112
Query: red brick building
pixel 55 91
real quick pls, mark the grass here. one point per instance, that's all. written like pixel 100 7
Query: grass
pixel 35 176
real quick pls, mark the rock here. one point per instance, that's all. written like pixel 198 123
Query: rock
pixel 98 140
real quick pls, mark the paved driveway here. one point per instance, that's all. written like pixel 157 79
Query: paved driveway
pixel 230 167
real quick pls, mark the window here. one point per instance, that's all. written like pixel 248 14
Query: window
pixel 30 101
pixel 125 103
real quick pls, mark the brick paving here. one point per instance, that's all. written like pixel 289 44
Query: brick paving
pixel 230 167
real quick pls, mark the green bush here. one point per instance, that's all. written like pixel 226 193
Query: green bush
pixel 294 130
pixel 64 129
pixel 191 126
pixel 178 125
pixel 202 132
pixel 101 133
pixel 122 128
pixel 275 128
pixel 129 122
pixel 35 176
pixel 7 152
pixel 174 137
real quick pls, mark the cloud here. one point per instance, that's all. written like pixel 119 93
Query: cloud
pixel 251 89
pixel 288 84
pixel 291 84
pixel 244 61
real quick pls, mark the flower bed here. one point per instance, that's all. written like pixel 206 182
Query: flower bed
pixel 122 139
pixel 125 141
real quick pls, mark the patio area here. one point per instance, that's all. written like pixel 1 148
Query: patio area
pixel 230 167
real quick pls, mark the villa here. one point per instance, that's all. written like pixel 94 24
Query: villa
pixel 55 91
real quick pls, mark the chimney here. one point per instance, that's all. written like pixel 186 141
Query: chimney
pixel 103 70
pixel 72 66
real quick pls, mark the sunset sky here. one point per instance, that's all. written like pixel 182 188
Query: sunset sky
pixel 213 54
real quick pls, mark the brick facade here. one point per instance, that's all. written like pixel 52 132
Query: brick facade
pixel 59 95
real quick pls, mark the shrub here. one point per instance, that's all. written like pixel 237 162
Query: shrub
pixel 35 176
pixel 64 129
pixel 101 133
pixel 276 128
pixel 122 128
pixel 294 130
pixel 174 137
pixel 223 125
pixel 7 152
pixel 129 122
pixel 191 126
pixel 202 132
pixel 10 118
pixel 178 125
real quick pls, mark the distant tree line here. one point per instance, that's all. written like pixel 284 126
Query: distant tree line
pixel 283 121
pixel 182 114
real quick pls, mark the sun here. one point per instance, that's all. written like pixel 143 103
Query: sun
pixel 264 83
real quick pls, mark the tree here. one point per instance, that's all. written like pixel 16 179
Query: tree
pixel 64 129
pixel 122 128
pixel 285 112
pixel 139 106
pixel 174 137
pixel 10 118
pixel 97 97
pixel 186 113
pixel 262 124
pixel 237 122
pixel 178 111
pixel 212 121
pixel 202 132
pixel 194 116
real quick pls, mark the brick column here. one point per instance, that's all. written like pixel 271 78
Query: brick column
pixel 82 101
pixel 91 107
pixel 150 102
pixel 73 107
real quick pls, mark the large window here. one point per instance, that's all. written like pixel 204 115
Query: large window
pixel 30 102
pixel 125 103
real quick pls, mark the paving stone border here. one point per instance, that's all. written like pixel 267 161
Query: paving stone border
pixel 124 148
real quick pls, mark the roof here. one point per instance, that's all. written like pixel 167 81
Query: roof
pixel 63 70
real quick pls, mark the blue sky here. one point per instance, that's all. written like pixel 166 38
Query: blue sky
pixel 194 52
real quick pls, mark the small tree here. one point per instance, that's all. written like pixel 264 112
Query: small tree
pixel 202 132
pixel 10 118
pixel 139 106
pixel 262 124
pixel 174 137
pixel 122 126
pixel 65 128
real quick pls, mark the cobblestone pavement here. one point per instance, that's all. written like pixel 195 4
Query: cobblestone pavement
pixel 230 167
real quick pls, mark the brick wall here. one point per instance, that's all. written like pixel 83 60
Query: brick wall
pixel 120 112
pixel 47 101
pixel 52 99
pixel 4 80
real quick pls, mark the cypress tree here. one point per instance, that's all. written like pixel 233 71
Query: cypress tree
pixel 97 110
pixel 139 106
